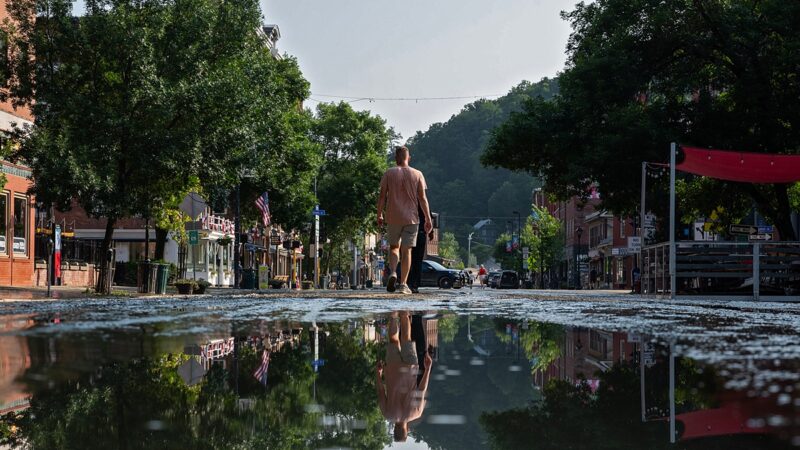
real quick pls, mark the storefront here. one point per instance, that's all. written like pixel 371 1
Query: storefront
pixel 16 227
pixel 211 259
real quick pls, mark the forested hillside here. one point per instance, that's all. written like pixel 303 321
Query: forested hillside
pixel 461 189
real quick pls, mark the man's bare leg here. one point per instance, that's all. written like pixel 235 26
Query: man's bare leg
pixel 394 256
pixel 394 330
pixel 405 326
pixel 405 262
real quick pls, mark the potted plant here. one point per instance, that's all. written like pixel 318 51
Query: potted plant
pixel 201 286
pixel 185 286
pixel 307 284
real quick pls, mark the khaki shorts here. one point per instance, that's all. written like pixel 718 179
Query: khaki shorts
pixel 404 353
pixel 403 235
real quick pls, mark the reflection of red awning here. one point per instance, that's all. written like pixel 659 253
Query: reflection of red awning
pixel 741 166
pixel 715 422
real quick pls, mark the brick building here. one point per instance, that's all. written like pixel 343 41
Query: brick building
pixel 16 205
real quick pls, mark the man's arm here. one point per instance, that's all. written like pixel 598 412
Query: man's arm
pixel 423 384
pixel 381 391
pixel 423 203
pixel 382 200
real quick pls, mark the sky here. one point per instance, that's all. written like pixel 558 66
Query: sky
pixel 420 48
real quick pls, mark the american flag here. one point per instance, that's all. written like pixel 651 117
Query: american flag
pixel 262 203
pixel 261 371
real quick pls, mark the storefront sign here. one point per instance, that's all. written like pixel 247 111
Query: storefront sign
pixel 621 251
pixel 19 245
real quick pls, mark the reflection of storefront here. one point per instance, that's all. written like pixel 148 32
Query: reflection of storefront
pixel 212 258
pixel 16 227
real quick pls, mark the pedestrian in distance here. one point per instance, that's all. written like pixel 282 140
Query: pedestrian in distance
pixel 482 276
pixel 402 193
pixel 418 254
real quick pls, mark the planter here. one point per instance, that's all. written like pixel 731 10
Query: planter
pixel 201 286
pixel 184 289
pixel 307 285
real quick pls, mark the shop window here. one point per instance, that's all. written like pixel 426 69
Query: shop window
pixel 3 223
pixel 21 225
pixel 620 271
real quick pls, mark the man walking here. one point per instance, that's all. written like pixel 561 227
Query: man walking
pixel 402 192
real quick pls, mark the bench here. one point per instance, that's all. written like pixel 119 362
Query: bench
pixel 279 281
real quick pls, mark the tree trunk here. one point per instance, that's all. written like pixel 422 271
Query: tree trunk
pixel 161 243
pixel 103 284
pixel 777 209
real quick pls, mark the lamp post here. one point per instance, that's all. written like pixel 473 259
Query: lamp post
pixel 469 249
pixel 519 242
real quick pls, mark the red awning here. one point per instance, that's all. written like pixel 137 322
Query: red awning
pixel 740 166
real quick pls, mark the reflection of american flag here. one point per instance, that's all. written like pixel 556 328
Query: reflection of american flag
pixel 262 203
pixel 261 371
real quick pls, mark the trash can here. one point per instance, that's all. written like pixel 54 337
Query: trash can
pixel 248 279
pixel 146 277
pixel 162 275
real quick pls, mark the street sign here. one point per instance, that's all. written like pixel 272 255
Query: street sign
pixel 318 212
pixel 765 229
pixel 743 229
pixel 760 237
pixel 634 244
pixel 194 237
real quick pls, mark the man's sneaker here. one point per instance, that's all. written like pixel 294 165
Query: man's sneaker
pixel 403 289
pixel 391 283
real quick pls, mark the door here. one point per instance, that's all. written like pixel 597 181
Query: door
pixel 429 278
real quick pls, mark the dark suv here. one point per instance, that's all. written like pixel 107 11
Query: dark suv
pixel 437 275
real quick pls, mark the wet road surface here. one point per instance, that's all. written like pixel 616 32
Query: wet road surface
pixel 505 363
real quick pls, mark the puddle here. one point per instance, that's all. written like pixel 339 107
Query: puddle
pixel 295 376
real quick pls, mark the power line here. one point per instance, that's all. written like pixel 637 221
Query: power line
pixel 402 99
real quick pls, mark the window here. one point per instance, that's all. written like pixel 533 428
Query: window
pixel 621 271
pixel 621 227
pixel 3 223
pixel 21 225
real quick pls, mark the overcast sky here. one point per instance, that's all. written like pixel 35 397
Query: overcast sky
pixel 420 48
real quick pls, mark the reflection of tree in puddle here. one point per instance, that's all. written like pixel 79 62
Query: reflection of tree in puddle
pixel 144 403
pixel 606 412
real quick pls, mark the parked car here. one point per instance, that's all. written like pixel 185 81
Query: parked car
pixel 436 275
pixel 509 279
pixel 494 279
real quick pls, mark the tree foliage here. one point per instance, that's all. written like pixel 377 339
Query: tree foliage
pixel 542 233
pixel 354 147
pixel 134 100
pixel 642 74
pixel 460 188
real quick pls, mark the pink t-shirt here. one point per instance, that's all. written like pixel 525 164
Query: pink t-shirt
pixel 402 187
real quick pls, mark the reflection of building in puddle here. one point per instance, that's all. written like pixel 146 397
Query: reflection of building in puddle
pixel 582 352
pixel 217 351
pixel 14 361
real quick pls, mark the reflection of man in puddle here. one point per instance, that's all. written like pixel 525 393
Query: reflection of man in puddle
pixel 402 399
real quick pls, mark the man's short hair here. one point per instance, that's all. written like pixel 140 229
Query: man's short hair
pixel 400 153
pixel 400 433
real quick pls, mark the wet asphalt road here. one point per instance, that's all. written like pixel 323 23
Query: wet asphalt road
pixel 758 340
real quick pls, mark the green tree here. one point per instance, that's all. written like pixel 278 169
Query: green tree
pixel 460 188
pixel 354 146
pixel 641 74
pixel 135 99
pixel 449 248
pixel 542 233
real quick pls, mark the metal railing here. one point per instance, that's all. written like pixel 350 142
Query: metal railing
pixel 752 269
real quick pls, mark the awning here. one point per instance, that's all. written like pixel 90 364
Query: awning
pixel 744 167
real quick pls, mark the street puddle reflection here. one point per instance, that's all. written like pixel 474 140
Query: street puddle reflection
pixel 437 380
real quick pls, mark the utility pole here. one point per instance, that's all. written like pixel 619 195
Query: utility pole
pixel 316 240
pixel 469 249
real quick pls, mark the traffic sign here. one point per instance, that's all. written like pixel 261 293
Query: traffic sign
pixel 761 237
pixel 634 244
pixel 194 237
pixel 743 229
pixel 319 212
